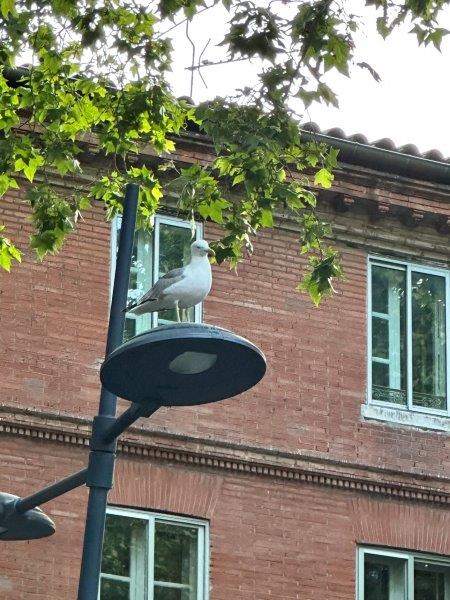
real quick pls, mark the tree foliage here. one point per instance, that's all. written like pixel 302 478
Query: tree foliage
pixel 96 81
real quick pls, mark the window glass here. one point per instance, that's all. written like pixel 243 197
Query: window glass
pixel 388 335
pixel 166 593
pixel 409 336
pixel 141 555
pixel 176 558
pixel 431 581
pixel 174 251
pixel 171 239
pixel 428 340
pixel 114 590
pixel 124 557
pixel 384 578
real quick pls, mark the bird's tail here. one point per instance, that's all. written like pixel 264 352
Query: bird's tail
pixel 129 308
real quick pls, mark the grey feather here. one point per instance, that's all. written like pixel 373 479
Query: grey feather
pixel 157 291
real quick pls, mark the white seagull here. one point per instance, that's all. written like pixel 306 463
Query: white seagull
pixel 179 288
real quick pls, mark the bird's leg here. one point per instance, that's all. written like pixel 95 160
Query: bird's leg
pixel 177 308
pixel 184 314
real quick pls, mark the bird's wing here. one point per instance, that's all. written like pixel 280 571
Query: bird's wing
pixel 157 291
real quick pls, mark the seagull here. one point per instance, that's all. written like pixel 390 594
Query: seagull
pixel 179 288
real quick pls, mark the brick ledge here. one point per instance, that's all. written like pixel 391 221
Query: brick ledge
pixel 302 469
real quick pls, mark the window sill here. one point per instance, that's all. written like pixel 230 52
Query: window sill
pixel 405 417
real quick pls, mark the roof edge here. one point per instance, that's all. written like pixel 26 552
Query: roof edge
pixel 385 160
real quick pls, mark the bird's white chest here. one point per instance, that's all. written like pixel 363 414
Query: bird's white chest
pixel 195 286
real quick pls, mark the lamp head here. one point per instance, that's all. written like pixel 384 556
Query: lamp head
pixel 182 365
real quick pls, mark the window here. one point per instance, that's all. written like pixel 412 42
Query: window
pixel 386 575
pixel 154 254
pixel 153 557
pixel 408 336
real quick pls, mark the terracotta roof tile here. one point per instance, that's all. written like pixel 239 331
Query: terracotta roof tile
pixel 383 143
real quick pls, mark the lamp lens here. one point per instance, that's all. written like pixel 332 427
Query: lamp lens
pixel 192 363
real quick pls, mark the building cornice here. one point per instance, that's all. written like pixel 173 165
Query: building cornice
pixel 368 174
pixel 232 457
pixel 377 194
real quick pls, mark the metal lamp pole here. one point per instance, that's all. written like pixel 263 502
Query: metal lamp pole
pixel 103 454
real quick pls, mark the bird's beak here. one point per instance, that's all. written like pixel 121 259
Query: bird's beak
pixel 211 252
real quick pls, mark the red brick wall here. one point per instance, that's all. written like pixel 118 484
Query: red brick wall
pixel 53 318
pixel 268 538
pixel 46 569
pixel 53 325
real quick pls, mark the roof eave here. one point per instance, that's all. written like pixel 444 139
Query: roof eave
pixel 388 161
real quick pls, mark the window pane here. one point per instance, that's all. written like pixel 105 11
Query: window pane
pixel 124 545
pixel 176 550
pixel 140 279
pixel 130 329
pixel 428 340
pixel 388 335
pixel 166 593
pixel 431 581
pixel 174 251
pixel 114 590
pixel 380 374
pixel 384 578
pixel 380 337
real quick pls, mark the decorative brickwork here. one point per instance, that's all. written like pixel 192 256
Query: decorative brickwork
pixel 399 525
pixel 175 490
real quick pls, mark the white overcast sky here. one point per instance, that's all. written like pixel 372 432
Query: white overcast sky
pixel 410 105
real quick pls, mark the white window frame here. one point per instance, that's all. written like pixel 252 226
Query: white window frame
pixel 408 557
pixel 151 518
pixel 159 220
pixel 407 268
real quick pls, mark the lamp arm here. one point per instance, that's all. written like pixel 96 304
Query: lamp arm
pixel 127 418
pixel 52 491
pixel 118 426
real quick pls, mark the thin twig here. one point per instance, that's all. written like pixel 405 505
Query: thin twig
pixel 214 64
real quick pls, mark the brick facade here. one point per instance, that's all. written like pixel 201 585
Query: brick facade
pixel 290 476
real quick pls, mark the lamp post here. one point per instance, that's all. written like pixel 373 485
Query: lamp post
pixel 175 365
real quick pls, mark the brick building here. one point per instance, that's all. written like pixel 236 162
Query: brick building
pixel 328 480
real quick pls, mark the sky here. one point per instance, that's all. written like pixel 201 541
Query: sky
pixel 411 104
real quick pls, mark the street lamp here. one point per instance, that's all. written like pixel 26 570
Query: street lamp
pixel 175 365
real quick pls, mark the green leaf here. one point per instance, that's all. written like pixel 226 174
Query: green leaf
pixel 8 252
pixel 266 218
pixel 31 167
pixel 382 27
pixel 5 259
pixel 7 182
pixel 436 36
pixel 332 158
pixel 319 282
pixel 84 203
pixel 7 7
pixel 324 178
